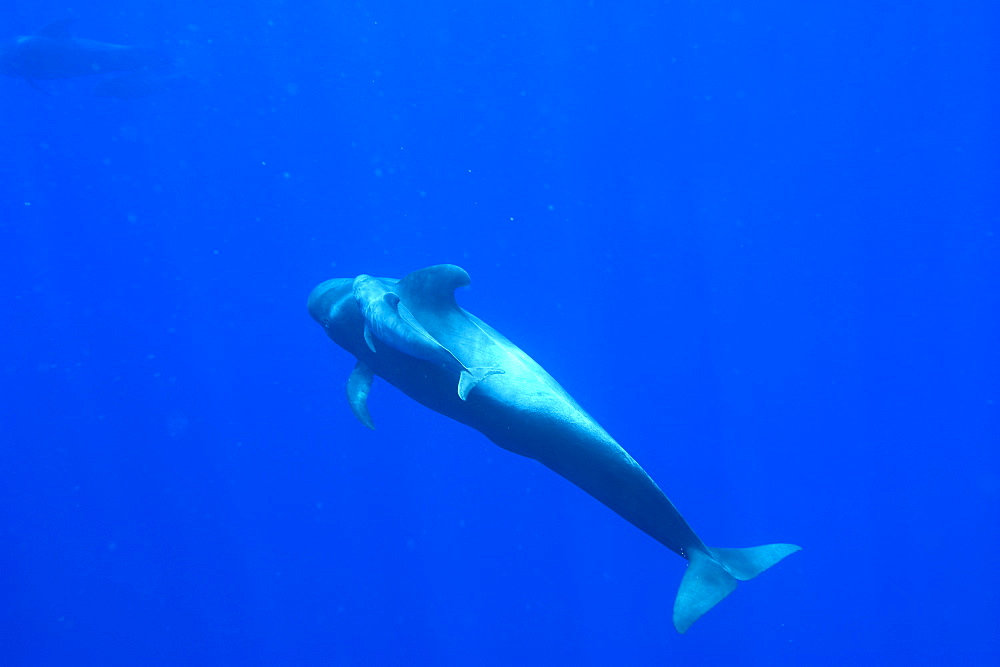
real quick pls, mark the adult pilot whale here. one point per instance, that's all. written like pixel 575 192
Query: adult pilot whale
pixel 524 410
pixel 55 53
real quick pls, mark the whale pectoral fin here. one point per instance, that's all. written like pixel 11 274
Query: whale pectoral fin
pixel 470 377
pixel 358 386
pixel 369 338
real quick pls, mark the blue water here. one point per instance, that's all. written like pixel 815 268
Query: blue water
pixel 757 242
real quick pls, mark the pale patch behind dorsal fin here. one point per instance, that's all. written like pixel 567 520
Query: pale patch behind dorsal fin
pixel 57 29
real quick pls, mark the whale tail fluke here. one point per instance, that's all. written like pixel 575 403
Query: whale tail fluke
pixel 710 577
pixel 470 377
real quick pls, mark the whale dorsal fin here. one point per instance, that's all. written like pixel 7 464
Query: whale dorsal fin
pixel 403 312
pixel 57 30
pixel 433 288
pixel 409 320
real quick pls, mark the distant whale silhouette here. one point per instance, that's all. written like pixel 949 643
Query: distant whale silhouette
pixel 525 411
pixel 54 53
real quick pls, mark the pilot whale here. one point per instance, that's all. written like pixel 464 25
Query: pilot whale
pixel 54 53
pixel 389 320
pixel 525 411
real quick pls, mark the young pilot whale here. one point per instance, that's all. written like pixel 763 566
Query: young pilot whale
pixel 387 319
pixel 526 411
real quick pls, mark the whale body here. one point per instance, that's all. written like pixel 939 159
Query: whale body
pixel 525 411
pixel 54 53
pixel 389 320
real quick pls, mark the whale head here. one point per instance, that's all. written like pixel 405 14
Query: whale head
pixel 330 301
pixel 367 289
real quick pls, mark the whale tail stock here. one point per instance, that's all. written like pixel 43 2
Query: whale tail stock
pixel 712 576
pixel 470 377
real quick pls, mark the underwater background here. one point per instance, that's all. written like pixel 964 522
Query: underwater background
pixel 756 241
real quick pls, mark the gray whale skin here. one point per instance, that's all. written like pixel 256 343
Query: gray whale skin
pixel 526 412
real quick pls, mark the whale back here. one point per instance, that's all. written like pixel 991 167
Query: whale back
pixel 525 389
